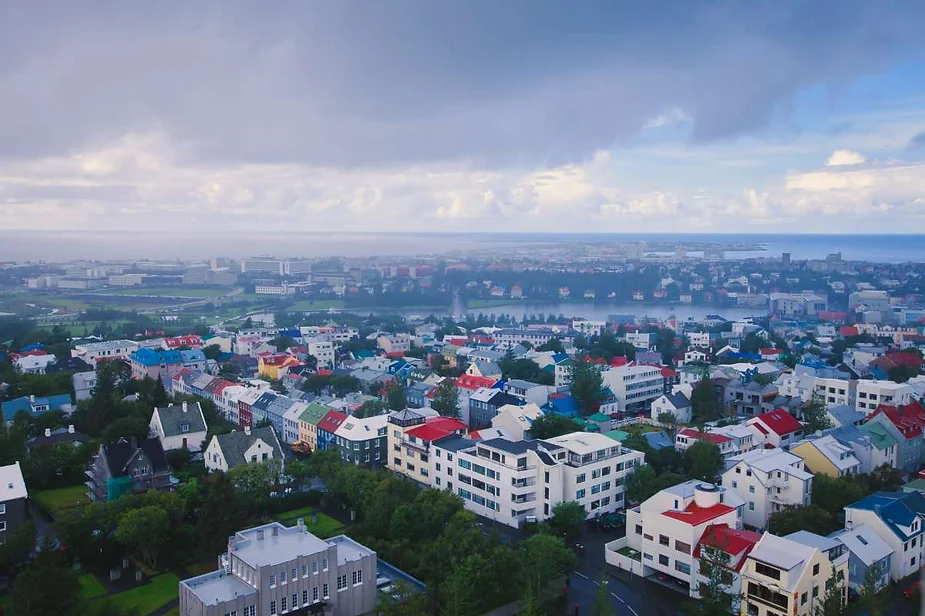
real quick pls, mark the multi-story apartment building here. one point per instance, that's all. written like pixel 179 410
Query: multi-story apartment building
pixel 262 265
pixel 898 518
pixel 833 392
pixel 363 441
pixel 106 350
pixel 871 394
pixel 411 433
pixel 664 530
pixel 394 343
pixel 516 481
pixel 272 569
pixel 768 480
pixel 323 351
pixel 791 575
pixel 508 338
pixel 634 387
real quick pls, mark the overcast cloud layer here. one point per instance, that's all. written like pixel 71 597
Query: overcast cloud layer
pixel 805 116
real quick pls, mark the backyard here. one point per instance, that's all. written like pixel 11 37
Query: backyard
pixel 53 502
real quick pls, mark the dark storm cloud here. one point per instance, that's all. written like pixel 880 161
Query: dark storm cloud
pixel 380 83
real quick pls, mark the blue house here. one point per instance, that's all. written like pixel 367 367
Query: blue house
pixel 35 406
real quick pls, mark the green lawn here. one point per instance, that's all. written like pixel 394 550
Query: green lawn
pixel 306 305
pixel 194 292
pixel 90 587
pixel 326 526
pixel 145 599
pixel 55 501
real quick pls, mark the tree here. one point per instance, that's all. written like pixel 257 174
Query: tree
pixel 811 518
pixel 834 494
pixel 815 417
pixel 552 425
pixel 402 600
pixel 715 595
pixel 542 559
pixel 370 408
pixel 586 386
pixel 553 344
pixel 832 602
pixel 703 461
pixel 567 519
pixel 256 480
pixel 446 399
pixel 144 530
pixel 17 548
pixel 638 482
pixel 213 352
pixel 703 401
pixel 47 586
pixel 603 604
pixel 395 396
pixel 872 599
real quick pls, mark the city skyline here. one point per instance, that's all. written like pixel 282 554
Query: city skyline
pixel 464 117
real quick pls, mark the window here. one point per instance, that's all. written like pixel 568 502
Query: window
pixel 272 607
pixel 803 598
pixel 663 540
pixel 580 478
pixel 751 489
pixel 682 567
pixel 272 581
pixel 325 591
pixel 304 597
pixel 735 485
pixel 282 604
pixel 816 569
pixel 580 494
pixel 341 582
pixel 293 575
pixel 304 571
pixel 2 508
pixel 815 591
pixel 357 577
pixel 324 563
pixel 767 571
pixel 315 594
pixel 682 547
pixel 314 567
pixel 282 576
pixel 751 505
pixel 663 560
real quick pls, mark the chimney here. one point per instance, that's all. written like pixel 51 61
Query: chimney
pixel 275 531
pixel 47 432
pixel 301 525
pixel 247 430
pixel 259 534
pixel 32 399
pixel 184 407
pixel 70 429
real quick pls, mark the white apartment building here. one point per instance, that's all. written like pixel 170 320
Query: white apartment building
pixel 871 394
pixel 665 529
pixel 516 481
pixel 323 351
pixel 634 387
pixel 899 519
pixel 700 339
pixel 833 392
pixel 589 328
pixel 108 349
pixel 640 340
pixel 788 575
pixel 507 338
pixel 743 438
pixel 768 480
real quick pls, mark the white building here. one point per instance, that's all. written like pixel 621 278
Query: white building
pixel 108 349
pixel 323 351
pixel 34 364
pixel 226 451
pixel 702 340
pixel 788 575
pixel 898 519
pixel 664 529
pixel 515 481
pixel 871 394
pixel 866 551
pixel 743 438
pixel 179 426
pixel 516 421
pixel 635 387
pixel 675 403
pixel 640 340
pixel 776 428
pixel 768 480
pixel 589 328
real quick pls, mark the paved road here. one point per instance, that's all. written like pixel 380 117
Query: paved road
pixel 630 595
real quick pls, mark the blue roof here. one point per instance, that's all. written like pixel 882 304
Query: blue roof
pixel 658 440
pixel 32 347
pixel 150 357
pixel 896 509
pixel 566 406
pixel 25 405
pixel 290 333
pixel 192 355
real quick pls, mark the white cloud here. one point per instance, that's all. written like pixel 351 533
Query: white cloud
pixel 844 157
pixel 674 115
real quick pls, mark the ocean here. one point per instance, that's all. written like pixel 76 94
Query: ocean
pixel 190 245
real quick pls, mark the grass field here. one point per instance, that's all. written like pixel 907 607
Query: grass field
pixel 90 587
pixel 194 292
pixel 326 526
pixel 145 599
pixel 56 501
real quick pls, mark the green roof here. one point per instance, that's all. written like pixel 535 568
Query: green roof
pixel 617 435
pixel 915 484
pixel 314 413
pixel 880 437
pixel 598 417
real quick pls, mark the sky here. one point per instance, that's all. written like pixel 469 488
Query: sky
pixel 463 115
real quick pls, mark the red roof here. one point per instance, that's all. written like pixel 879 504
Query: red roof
pixel 695 515
pixel 730 541
pixel 905 359
pixel 831 315
pixel 716 439
pixel 467 381
pixel 780 422
pixel 332 421
pixel 909 419
pixel 668 373
pixel 769 351
pixel 437 427
pixel 324 372
pixel 848 331
pixel 618 360
pixel 189 340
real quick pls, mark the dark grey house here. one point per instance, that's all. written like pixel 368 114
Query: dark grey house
pixel 363 441
pixel 128 467
pixel 13 495
pixel 484 404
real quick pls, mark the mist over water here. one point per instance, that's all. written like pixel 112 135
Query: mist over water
pixel 193 245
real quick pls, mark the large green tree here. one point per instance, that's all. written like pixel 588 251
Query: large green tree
pixel 586 386
pixel 811 518
pixel 47 586
pixel 446 398
pixel 815 417
pixel 567 519
pixel 704 403
pixel 552 425
pixel 145 530
pixel 395 396
pixel 703 461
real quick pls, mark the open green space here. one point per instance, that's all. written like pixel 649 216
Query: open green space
pixel 324 528
pixel 193 292
pixel 57 500
pixel 90 587
pixel 306 305
pixel 145 599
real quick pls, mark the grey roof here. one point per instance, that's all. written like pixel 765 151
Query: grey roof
pixel 521 384
pixel 487 367
pixel 119 454
pixel 218 587
pixel 812 539
pixel 678 400
pixel 454 442
pixel 173 418
pixel 514 447
pixel 845 415
pixel 658 440
pixel 234 444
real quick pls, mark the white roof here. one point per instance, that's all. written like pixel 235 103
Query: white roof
pixel 768 460
pixel 735 431
pixel 30 362
pixel 525 415
pixel 842 457
pixel 483 394
pixel 354 429
pixel 12 485
pixel 784 554
pixel 288 544
pixel 864 543
pixel 583 442
pixel 106 345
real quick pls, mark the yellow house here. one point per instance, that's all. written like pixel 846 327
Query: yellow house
pixel 827 456
pixel 275 366
pixel 308 424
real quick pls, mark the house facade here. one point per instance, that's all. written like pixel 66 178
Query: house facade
pixel 227 451
pixel 898 519
pixel 13 496
pixel 127 467
pixel 363 441
pixel 768 480
pixel 179 426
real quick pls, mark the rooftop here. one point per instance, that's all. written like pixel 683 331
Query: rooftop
pixel 218 587
pixel 280 544
pixel 780 422
pixel 12 484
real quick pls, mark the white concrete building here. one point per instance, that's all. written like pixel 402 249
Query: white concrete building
pixel 871 394
pixel 897 518
pixel 515 481
pixel 323 351
pixel 108 349
pixel 788 575
pixel 675 403
pixel 768 480
pixel 640 340
pixel 635 387
pixel 701 340
pixel 34 364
